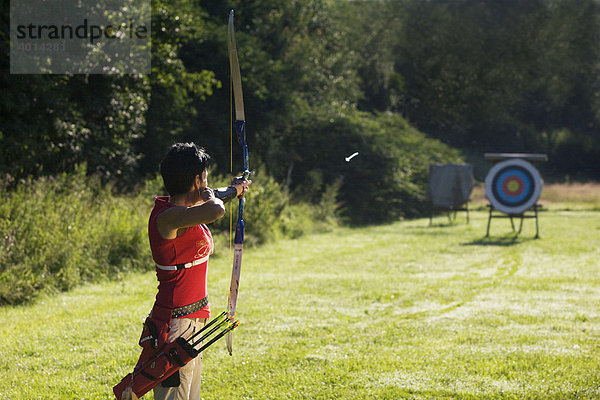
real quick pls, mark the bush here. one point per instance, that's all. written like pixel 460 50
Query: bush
pixel 386 181
pixel 59 232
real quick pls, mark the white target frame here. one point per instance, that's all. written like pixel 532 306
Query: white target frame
pixel 524 196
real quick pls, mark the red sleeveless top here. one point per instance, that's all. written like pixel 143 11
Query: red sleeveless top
pixel 185 286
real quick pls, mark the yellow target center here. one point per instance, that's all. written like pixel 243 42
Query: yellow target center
pixel 512 186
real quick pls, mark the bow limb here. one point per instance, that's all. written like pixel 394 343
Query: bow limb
pixel 240 127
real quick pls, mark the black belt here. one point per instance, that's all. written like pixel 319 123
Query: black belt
pixel 190 308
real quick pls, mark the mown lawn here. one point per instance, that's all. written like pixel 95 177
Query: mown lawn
pixel 398 311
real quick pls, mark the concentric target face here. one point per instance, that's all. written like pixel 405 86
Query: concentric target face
pixel 513 186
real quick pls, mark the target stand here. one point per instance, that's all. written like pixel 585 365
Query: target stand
pixel 513 187
pixel 521 216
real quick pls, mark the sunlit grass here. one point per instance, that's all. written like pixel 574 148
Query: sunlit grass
pixel 398 311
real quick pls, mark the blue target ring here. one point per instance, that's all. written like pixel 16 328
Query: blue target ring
pixel 512 174
pixel 513 186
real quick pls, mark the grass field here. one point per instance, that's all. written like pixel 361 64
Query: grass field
pixel 401 311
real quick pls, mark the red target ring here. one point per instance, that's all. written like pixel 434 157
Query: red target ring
pixel 513 186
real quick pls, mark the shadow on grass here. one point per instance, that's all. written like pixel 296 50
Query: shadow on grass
pixel 505 240
pixel 429 231
pixel 444 225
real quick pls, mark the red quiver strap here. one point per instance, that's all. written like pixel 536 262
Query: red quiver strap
pixel 153 371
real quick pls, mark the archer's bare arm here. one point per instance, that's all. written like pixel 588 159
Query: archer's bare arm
pixel 206 210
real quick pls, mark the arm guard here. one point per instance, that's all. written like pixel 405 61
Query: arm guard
pixel 226 194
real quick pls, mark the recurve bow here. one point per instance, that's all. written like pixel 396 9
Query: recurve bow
pixel 240 127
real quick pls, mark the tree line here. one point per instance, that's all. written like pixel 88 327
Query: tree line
pixel 404 83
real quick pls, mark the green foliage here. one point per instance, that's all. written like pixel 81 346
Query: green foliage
pixel 175 83
pixel 56 233
pixel 59 232
pixel 491 76
pixel 387 180
pixel 51 123
pixel 265 202
pixel 270 213
pixel 482 76
pixel 576 153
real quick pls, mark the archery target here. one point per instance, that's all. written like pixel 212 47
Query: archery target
pixel 513 186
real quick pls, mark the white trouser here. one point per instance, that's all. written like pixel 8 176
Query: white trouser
pixel 189 374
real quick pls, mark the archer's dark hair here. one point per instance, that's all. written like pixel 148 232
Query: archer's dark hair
pixel 181 165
